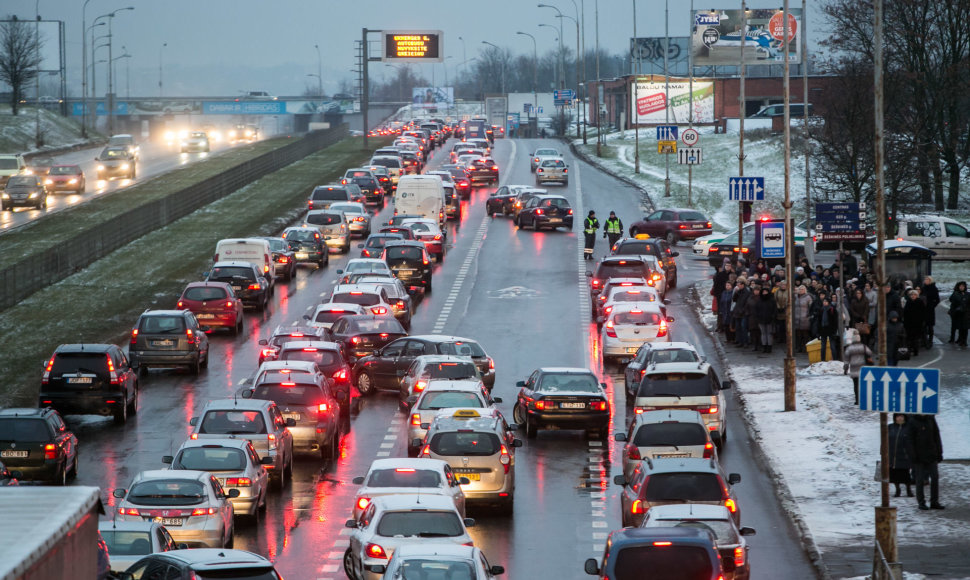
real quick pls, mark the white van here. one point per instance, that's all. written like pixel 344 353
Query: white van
pixel 947 237
pixel 420 195
pixel 256 251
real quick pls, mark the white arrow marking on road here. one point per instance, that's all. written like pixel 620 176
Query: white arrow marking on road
pixel 869 379
pixel 924 392
pixel 886 381
pixel 900 406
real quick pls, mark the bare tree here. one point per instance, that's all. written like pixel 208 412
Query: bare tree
pixel 19 57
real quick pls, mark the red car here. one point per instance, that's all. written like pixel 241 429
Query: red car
pixel 65 178
pixel 673 224
pixel 214 304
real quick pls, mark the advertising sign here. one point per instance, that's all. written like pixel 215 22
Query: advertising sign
pixel 243 107
pixel 651 100
pixel 716 37
pixel 433 97
pixel 651 52
pixel 411 46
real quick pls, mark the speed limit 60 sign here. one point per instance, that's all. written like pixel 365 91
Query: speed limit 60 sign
pixel 690 137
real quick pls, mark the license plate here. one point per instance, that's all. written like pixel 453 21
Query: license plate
pixel 555 220
pixel 671 455
pixel 170 521
pixel 725 252
pixel 572 405
pixel 80 380
pixel 205 316
pixel 165 342
pixel 470 476
pixel 405 272
pixel 237 288
pixel 302 255
pixel 12 453
pixel 698 226
pixel 294 416
pixel 631 349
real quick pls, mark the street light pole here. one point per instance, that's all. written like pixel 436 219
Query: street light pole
pixel 555 67
pixel 164 44
pixel 37 135
pixel 789 233
pixel 319 72
pixel 634 115
pixel 535 76
pixel 667 87
pixel 503 62
pixel 84 70
pixel 599 121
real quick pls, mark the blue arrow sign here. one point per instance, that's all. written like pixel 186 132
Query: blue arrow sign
pixel 899 390
pixel 666 132
pixel 746 188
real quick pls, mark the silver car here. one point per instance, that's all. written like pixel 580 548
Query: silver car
pixel 553 169
pixel 128 542
pixel 358 220
pixel 332 225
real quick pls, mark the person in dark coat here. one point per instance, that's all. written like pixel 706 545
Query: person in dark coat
pixel 828 329
pixel 914 320
pixel 959 311
pixel 895 337
pixel 724 304
pixel 927 455
pixel 858 307
pixel 766 313
pixel 900 454
pixel 740 312
pixel 931 296
pixel 590 226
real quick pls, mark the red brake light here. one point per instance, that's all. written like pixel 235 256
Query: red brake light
pixel 268 352
pixel 204 511
pixel 288 384
pixel 239 481
pixel 134 338
pixel 504 458
pixel 419 386
pixel 355 340
pixel 362 503
pixel 284 260
pixel 662 331
pixel 230 304
pixel 416 419
pixel 598 405
pixel 570 212
pixel 709 224
pixel 729 504
pixel 708 447
pixel 375 551
pixel 538 212
pixel 610 331
pixel 50 451
pixel 309 350
pixel 323 408
pixel 637 507
pixel 663 544
pixel 682 226
pixel 544 405
pixel 254 286
pixel 632 451
pixel 378 310
pixel 341 374
pixel 47 370
pixel 179 305
pixel 426 452
pixel 738 557
pixel 113 377
pixel 491 364
pixel 596 282
pixel 128 512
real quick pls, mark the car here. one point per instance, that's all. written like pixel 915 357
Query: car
pixel 270 348
pixel 283 258
pixel 546 211
pixel 360 335
pixel 716 519
pixel 502 200
pixel 256 251
pixel 360 265
pixel 192 505
pixel 373 298
pixel 607 300
pixel 333 227
pixel 453 209
pixel 358 220
pixel 65 178
pixel 428 232
pixel 483 169
pixel 247 282
pixel 403 232
pixel 168 338
pixel 539 155
pixel 383 177
pixel 645 246
pixel 261 422
pixel 673 224
pixel 675 481
pixel 25 191
pixel 313 408
pixel 195 142
pixel 411 161
pixel 702 245
pixel 669 553
pixel 441 394
pixel 429 367
pixel 686 386
pixel 434 560
pixel 657 279
pixel 563 398
pixel 410 262
pixel 326 314
pixel 329 357
pixel 390 522
pixel 204 563
pixel 394 476
pixel 368 183
pixel 613 285
pixel 665 434
pixel 393 164
pixel 323 196
pixel 946 236
pixel 38 444
pixel 115 162
pixel 651 354
pixel 629 325
pixel 554 170
pixel 374 245
pixel 129 542
pixel 523 198
pixel 235 464
pixel 400 299
pixel 616 267
pixel 90 379
pixel 127 141
pixel 214 304
pixel 307 245
pixel 462 184
pixel 380 370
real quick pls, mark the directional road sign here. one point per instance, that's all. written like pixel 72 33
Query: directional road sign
pixel 563 94
pixel 666 132
pixel 840 217
pixel 773 240
pixel 689 155
pixel 667 147
pixel 746 188
pixel 690 137
pixel 841 236
pixel 899 390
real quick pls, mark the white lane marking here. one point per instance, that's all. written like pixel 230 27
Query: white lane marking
pixel 241 381
pixel 584 304
pixel 390 437
pixel 383 454
pixel 330 568
pixel 443 316
pixel 387 445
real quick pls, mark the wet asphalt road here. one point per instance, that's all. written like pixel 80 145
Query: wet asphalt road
pixel 523 295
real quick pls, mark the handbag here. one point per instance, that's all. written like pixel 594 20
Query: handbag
pixel 902 353
pixel 863 327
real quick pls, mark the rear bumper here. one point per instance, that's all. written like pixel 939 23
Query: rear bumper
pixel 48 471
pixel 153 358
pixel 311 256
pixel 580 420
pixel 546 223
pixel 336 241
pixel 227 319
pixel 82 403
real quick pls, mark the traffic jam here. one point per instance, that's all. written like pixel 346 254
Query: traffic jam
pixel 445 478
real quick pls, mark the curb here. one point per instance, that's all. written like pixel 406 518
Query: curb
pixel 782 491
pixel 631 182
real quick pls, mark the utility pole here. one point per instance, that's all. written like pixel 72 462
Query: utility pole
pixel 634 114
pixel 584 102
pixel 667 87
pixel 160 49
pixel 741 115
pixel 789 230
pixel 364 89
pixel 599 120
pixel 84 70
pixel 808 144
pixel 690 116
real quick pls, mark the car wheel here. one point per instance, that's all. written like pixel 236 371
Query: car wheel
pixel 518 222
pixel 121 414
pixel 279 482
pixel 531 430
pixel 205 363
pixel 535 225
pixel 673 281
pixel 491 212
pixel 334 452
pixel 289 467
pixel 518 414
pixel 133 405
pixel 231 540
pixel 196 367
pixel 239 325
pixel 349 565
pixel 365 383
pixel 62 475
pixel 427 286
pixel 671 238
pixel 74 466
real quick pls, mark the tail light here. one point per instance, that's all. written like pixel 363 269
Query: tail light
pixel 607 310
pixel 596 282
pixel 682 226
pixel 204 512
pixel 310 204
pixel 266 267
pixel 538 212
pixel 134 338
pixel 633 452
pixel 112 375
pixel 712 410
pixel 709 225
pixel 323 408
pixel 358 219
pixel 598 405
pixel 611 332
pixel 544 405
pixel 365 253
pixel 504 458
pixel 189 336
pixel 362 503
pixel 284 260
pixel 491 364
pixel 655 277
pixel 638 410
pixel 179 305
pixel 708 450
pixel 425 261
pixel 565 171
pixel 376 551
pixel 254 286
pixel 378 310
pixel 239 481
pixel 267 352
pixel 420 385
pixel 738 557
pixel 426 452
pixel 47 371
pixel 128 512
pixel 355 340
pixel 50 451
pixel 662 331
pixel 271 441
pixel 416 419
pixel 539 170
pixel 230 304
pixel 401 304
pixel 341 375
pixel 637 508
pixel 437 237
pixel 663 544
pixel 729 504
pixel 194 436
pixel 570 212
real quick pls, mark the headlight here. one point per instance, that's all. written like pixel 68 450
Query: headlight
pixel 5 195
pixel 125 167
pixel 232 134
pixel 48 182
pixel 100 167
pixel 169 136
pixel 33 195
pixel 72 181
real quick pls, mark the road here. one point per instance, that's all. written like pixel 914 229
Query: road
pixel 154 159
pixel 565 501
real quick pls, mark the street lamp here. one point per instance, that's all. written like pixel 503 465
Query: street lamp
pixel 84 69
pixel 319 72
pixel 319 82
pixel 496 47
pixel 160 48
pixel 535 74
pixel 109 104
pixel 559 40
pixel 127 58
pixel 94 68
pixel 562 58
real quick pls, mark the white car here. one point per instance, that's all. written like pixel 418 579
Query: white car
pixel 326 314
pixel 373 299
pixel 364 265
pixel 702 245
pixel 278 370
pixel 658 278
pixel 235 464
pixel 429 367
pixel 624 294
pixel 332 225
pixel 192 505
pixel 433 560
pixel 687 385
pixel 399 475
pixel 631 324
pixel 428 232
pixel 128 542
pixel 664 434
pixel 652 355
pixel 540 154
pixel 358 220
pixel 393 521
pixel 443 394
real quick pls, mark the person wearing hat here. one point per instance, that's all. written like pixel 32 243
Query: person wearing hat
pixel 895 337
pixel 613 228
pixel 590 225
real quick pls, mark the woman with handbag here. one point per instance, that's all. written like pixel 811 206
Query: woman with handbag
pixel 959 309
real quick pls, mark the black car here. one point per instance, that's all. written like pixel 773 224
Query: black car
pixel 483 170
pixel 546 211
pixel 657 247
pixel 410 262
pixel 307 245
pixel 90 379
pixel 168 338
pixel 368 184
pixel 374 245
pixel 246 280
pixel 563 398
pixel 329 358
pixel 38 444
pixel 270 347
pixel 282 257
pixel 25 190
pixel 500 201
pixel 463 185
pixel 383 369
pixel 362 334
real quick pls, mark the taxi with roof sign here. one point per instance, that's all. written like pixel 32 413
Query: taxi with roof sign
pixel 441 394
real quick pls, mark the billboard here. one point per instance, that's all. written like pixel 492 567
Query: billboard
pixel 433 97
pixel 411 46
pixel 651 101
pixel 716 37
pixel 650 51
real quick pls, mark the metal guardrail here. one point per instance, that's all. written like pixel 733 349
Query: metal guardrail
pixel 883 569
pixel 53 265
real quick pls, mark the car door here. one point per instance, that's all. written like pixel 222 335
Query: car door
pixel 63 438
pixel 382 368
pixel 651 223
pixel 957 241
pixel 225 508
pixel 412 350
pixel 632 371
pixel 283 434
pixel 454 489
pixel 527 392
pixel 201 338
pixel 261 475
pixel 127 376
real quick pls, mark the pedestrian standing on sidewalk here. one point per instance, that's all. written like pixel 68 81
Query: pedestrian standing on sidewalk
pixel 803 318
pixel 857 355
pixel 590 225
pixel 724 312
pixel 895 338
pixel 739 312
pixel 780 294
pixel 766 313
pixel 828 329
pixel 900 454
pixel 914 320
pixel 959 310
pixel 613 228
pixel 931 296
pixel 754 331
pixel 927 455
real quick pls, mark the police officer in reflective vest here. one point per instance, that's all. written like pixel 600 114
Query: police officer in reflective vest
pixel 613 228
pixel 590 225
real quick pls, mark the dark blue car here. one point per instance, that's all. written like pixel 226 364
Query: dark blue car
pixel 658 554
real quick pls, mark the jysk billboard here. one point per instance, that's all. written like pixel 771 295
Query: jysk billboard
pixel 651 99
pixel 716 37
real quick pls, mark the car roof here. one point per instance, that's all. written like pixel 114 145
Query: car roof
pixel 673 346
pixel 215 559
pixel 238 404
pixel 323 212
pixel 232 263
pixel 682 465
pixel 436 358
pixel 275 365
pixel 403 242
pixel 436 549
pixel 205 283
pixel 328 306
pixel 155 474
pixel 628 306
pixel 637 536
pixel 84 347
pixel 442 338
pixel 164 313
pixel 127 526
pixel 22 412
pixel 614 259
pixel 464 385
pixel 487 421
pixel 414 501
pixel 364 261
pixel 690 511
pixel 368 288
pixel 562 370
pixel 676 367
pixel 301 228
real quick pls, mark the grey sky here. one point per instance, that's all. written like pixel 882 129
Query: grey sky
pixel 221 47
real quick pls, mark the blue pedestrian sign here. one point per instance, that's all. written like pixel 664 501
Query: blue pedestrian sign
pixel 899 390
pixel 746 189
pixel 666 132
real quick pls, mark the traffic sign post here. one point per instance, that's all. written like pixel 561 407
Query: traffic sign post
pixel 689 155
pixel 666 147
pixel 666 132
pixel 746 188
pixel 899 390
pixel 838 223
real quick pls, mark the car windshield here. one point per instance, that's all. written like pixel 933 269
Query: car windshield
pixel 231 272
pixel 362 298
pixel 167 492
pixel 449 399
pixel 8 163
pixel 673 355
pixel 324 219
pixel 403 253
pixel 377 325
pixel 461 348
pixel 114 153
pixel 686 487
pixel 466 443
pixel 327 193
pixel 676 385
pixel 305 395
pixel 320 356
pixel 24 430
pixel 404 477
pixel 552 382
pixel 65 170
pixel 347 208
pixel 127 543
pixel 212 459
pixel 352 173
pixel 302 235
pixel 424 524
pixel 277 244
pixel 723 531
pixel 419 569
pixel 331 315
pixel 204 293
pixel 670 433
pixel 664 562
pixel 21 180
pixel 637 318
pixel 451 370
pixel 233 423
pixel 386 162
pixel 162 325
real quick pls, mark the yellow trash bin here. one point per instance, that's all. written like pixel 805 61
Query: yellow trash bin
pixel 814 348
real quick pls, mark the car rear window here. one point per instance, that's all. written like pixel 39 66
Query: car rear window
pixel 362 298
pixel 632 269
pixel 305 395
pixel 381 241
pixel 24 430
pixel 449 400
pixel 451 370
pixel 403 253
pixel 161 325
pixel 722 530
pixel 693 216
pixel 230 272
pixel 389 162
pixel 420 524
pixel 233 423
pixel 684 487
pixel 676 385
pixel 461 348
pixel 212 459
pixel 167 492
pixel 252 572
pixel 204 293
pixel 551 382
pixel 331 315
pixel 404 477
pixel 635 296
pixel 636 317
pixel 375 325
pixel 316 355
pixel 664 563
pixel 324 219
pixel 124 543
pixel 466 443
pixel 670 434
pixel 302 235
pixel 553 163
pixel 669 355
pixel 69 362
pixel 326 193
pixel 636 248
pixel 556 201
pixel 352 174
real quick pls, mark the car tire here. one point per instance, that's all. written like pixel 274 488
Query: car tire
pixel 535 225
pixel 671 238
pixel 518 414
pixel 673 281
pixel 491 212
pixel 238 329
pixel 531 429
pixel 133 405
pixel 121 414
pixel 196 367
pixel 507 508
pixel 61 477
pixel 231 540
pixel 365 384
pixel 518 222
pixel 349 565
pixel 74 470
pixel 205 364
pixel 334 452
pixel 279 482
pixel 427 286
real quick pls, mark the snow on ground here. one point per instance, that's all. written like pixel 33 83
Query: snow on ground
pixel 18 134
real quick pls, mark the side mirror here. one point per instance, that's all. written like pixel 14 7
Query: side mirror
pixel 516 443
pixel 233 492
pixel 120 493
pixel 671 319
pixel 376 568
pixel 268 460
pixel 263 342
pixel 513 426
pixel 415 442
pixel 182 546
pixel 463 481
pixel 603 385
pixel 496 570
pixel 619 480
pixel 666 301
pixel 246 394
pixel 520 383
pixel 194 421
pixel 168 459
pixel 358 481
pixel 734 478
pixel 674 254
pixel 591 567
pixel 350 524
pixel 496 399
pixel 340 271
pixel 411 400
pixel 620 437
pixel 205 328
pixel 589 274
pixel 306 317
pixel 469 522
pixel 291 422
pixel 727 385
pixel 747 531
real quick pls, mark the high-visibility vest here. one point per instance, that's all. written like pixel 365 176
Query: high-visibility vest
pixel 614 226
pixel 591 225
